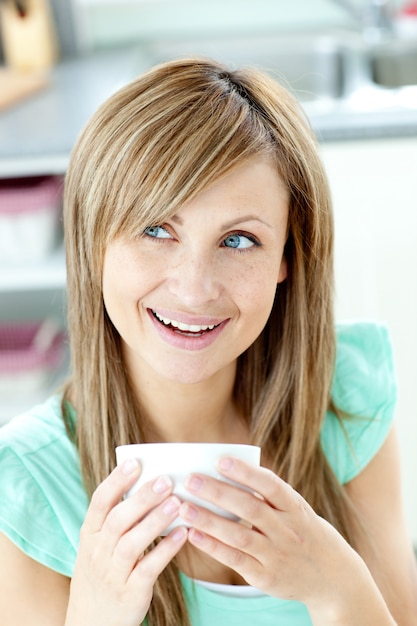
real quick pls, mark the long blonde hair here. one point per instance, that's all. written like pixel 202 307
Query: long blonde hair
pixel 155 144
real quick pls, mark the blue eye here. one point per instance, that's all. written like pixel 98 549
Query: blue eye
pixel 157 232
pixel 239 241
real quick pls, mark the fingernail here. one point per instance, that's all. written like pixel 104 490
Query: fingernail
pixel 190 513
pixel 178 534
pixel 196 536
pixel 194 483
pixel 162 484
pixel 130 466
pixel 171 506
pixel 225 464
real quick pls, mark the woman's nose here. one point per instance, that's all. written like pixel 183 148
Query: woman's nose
pixel 195 280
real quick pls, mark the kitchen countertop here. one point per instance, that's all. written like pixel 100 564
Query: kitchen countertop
pixel 37 135
pixel 371 112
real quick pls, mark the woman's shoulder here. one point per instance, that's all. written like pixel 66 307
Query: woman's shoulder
pixel 37 427
pixel 42 499
pixel 365 390
pixel 364 370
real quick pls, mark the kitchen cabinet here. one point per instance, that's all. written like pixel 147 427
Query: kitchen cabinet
pixel 374 188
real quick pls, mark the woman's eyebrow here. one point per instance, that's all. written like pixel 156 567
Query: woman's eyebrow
pixel 244 218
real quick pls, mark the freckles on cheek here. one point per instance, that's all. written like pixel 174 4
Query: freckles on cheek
pixel 113 297
pixel 124 284
pixel 119 276
pixel 261 284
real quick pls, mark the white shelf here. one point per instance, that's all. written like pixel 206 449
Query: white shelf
pixel 50 274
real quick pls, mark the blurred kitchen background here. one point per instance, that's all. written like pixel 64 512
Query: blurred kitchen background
pixel 353 66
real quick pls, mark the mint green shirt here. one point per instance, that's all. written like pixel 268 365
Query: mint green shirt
pixel 43 502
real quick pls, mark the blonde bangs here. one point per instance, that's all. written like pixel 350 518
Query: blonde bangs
pixel 150 149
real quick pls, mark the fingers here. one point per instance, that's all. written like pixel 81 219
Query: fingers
pixel 274 509
pixel 234 545
pixel 247 506
pixel 118 532
pixel 117 562
pixel 133 509
pixel 130 547
pixel 237 535
pixel 239 560
pixel 230 533
pixel 154 562
pixel 109 493
pixel 261 480
pixel 152 526
pixel 270 520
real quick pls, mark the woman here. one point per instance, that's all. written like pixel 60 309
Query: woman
pixel 199 253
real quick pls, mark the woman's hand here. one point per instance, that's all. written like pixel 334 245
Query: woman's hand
pixel 113 578
pixel 283 547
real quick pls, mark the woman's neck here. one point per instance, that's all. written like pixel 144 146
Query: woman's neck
pixel 202 411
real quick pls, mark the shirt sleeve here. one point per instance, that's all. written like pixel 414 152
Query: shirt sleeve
pixel 365 390
pixel 42 500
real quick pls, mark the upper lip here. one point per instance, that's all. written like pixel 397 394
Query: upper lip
pixel 185 318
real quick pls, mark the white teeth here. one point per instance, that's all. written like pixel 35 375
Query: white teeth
pixel 191 328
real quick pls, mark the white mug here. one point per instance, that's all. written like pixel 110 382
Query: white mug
pixel 179 460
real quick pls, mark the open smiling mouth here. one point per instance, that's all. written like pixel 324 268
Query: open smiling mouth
pixel 186 330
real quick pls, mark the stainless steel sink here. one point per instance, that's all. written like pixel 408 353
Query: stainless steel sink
pixel 394 63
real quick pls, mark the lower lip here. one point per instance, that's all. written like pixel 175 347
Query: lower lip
pixel 186 342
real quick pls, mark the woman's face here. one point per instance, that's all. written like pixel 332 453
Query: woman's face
pixel 188 296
